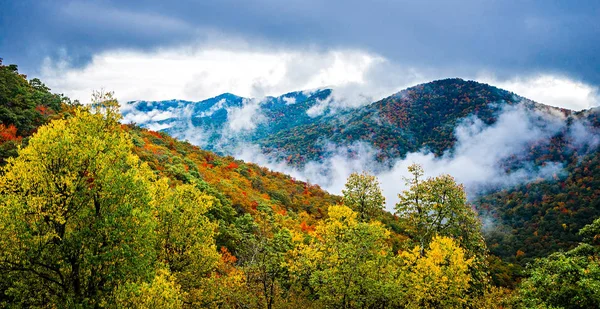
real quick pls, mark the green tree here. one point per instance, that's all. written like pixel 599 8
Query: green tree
pixel 438 207
pixel 262 254
pixel 591 233
pixel 562 280
pixel 363 195
pixel 348 263
pixel 185 235
pixel 75 214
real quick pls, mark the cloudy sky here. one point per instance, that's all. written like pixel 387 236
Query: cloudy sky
pixel 545 50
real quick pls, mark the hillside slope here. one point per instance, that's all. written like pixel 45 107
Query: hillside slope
pixel 536 219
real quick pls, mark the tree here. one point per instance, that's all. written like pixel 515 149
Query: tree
pixel 185 235
pixel 591 233
pixel 162 292
pixel 262 254
pixel 438 207
pixel 363 195
pixel 562 280
pixel 75 214
pixel 439 278
pixel 348 263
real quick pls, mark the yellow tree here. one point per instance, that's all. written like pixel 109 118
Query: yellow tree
pixel 438 206
pixel 437 279
pixel 163 292
pixel 75 214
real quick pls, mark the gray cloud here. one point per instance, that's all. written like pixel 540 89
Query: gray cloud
pixel 463 36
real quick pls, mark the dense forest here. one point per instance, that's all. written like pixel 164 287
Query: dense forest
pixel 99 214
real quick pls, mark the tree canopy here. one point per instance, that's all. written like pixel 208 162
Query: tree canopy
pixel 363 195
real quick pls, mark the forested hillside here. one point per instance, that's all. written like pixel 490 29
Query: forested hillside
pixel 420 117
pixel 542 217
pixel 96 213
pixel 24 105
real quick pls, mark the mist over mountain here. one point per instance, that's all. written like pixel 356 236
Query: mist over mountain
pixel 478 133
pixel 497 143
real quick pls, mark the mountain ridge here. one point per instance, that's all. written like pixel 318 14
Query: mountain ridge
pixel 420 120
pixel 276 123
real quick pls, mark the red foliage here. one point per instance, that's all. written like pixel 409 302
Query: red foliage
pixel 306 192
pixel 232 165
pixel 8 133
pixel 306 227
pixel 227 257
pixel 520 253
pixel 43 110
pixel 155 134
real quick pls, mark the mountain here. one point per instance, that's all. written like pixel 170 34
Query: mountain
pixel 303 124
pixel 185 119
pixel 525 218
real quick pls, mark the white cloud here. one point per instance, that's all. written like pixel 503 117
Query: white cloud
pixel 552 90
pixel 244 118
pixel 473 161
pixel 217 106
pixel 289 100
pixel 196 73
pixel 158 126
pixel 147 117
pixel 319 107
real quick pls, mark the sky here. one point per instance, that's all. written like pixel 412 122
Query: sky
pixel 153 50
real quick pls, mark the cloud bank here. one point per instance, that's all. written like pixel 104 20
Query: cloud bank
pixel 357 77
pixel 552 90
